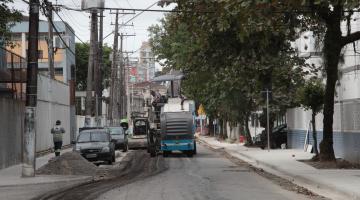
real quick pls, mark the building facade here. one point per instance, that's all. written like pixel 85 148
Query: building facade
pixel 64 58
pixel 146 62
pixel 346 124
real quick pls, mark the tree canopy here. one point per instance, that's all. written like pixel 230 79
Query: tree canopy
pixel 229 58
pixel 7 17
pixel 82 59
pixel 262 28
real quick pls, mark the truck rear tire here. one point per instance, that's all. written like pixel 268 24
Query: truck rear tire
pixel 166 153
pixel 195 150
pixel 190 153
pixel 152 151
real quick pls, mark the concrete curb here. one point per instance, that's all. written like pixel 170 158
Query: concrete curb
pixel 314 185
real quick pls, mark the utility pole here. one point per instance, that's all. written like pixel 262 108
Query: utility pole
pixel 267 91
pixel 50 40
pixel 28 166
pixel 122 79
pixel 123 98
pixel 267 118
pixel 100 64
pixel 112 112
pixel 126 78
pixel 115 109
pixel 89 81
pixel 96 86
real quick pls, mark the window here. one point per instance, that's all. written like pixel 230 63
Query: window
pixel 116 131
pixel 84 137
pixel 58 71
pixel 99 137
pixel 93 137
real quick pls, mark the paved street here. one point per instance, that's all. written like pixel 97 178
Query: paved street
pixel 207 175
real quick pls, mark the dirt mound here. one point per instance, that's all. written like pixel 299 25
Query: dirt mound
pixel 69 163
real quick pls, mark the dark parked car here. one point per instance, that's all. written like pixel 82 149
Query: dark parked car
pixel 96 145
pixel 120 138
pixel 278 136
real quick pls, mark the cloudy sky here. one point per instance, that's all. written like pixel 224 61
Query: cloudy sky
pixel 80 20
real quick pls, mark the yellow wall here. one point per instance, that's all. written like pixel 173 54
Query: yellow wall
pixel 58 55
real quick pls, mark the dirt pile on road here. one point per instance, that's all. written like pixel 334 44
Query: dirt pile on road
pixel 69 163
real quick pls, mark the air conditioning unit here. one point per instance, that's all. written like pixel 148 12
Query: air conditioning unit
pixel 59 44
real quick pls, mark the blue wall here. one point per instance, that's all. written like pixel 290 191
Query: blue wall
pixel 346 145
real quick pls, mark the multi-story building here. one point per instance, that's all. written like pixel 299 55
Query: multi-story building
pixel 64 59
pixel 146 62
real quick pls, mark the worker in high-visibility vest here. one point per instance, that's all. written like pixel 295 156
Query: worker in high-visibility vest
pixel 57 131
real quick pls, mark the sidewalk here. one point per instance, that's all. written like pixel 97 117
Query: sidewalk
pixel 11 176
pixel 334 184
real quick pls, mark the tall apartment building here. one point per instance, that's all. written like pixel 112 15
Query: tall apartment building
pixel 146 62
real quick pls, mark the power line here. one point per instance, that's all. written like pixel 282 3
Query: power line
pixel 132 18
pixel 73 19
pixel 58 33
pixel 69 27
pixel 136 10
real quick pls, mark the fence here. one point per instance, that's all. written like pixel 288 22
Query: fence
pixel 53 104
pixel 12 75
pixel 11 123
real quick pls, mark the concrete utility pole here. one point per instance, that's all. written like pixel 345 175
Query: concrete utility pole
pixel 126 77
pixel 89 80
pixel 96 77
pixel 99 85
pixel 50 40
pixel 123 96
pixel 28 166
pixel 113 111
pixel 267 118
pixel 122 79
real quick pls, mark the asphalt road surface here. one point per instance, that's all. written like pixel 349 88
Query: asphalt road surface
pixel 208 175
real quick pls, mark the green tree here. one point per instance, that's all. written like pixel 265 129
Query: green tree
pixel 311 97
pixel 8 16
pixel 225 53
pixel 323 17
pixel 82 58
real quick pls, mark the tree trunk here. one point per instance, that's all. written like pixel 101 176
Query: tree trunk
pixel 211 127
pixel 247 131
pixel 221 123
pixel 314 133
pixel 225 135
pixel 332 50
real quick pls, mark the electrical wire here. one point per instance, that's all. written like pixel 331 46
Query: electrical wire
pixel 68 15
pixel 132 18
pixel 69 27
pixel 56 30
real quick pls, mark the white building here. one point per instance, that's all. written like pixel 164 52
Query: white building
pixel 147 61
pixel 347 101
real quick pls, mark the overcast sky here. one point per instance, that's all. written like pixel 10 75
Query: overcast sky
pixel 79 21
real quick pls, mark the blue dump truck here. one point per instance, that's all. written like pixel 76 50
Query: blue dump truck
pixel 177 129
pixel 171 120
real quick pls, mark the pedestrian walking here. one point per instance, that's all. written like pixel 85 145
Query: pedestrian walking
pixel 57 131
